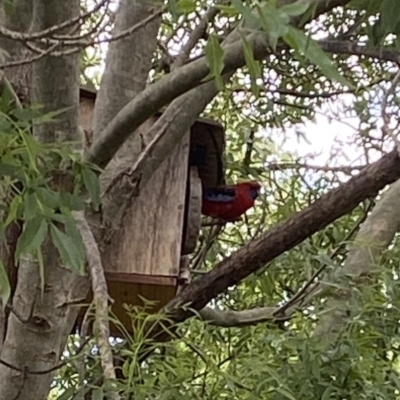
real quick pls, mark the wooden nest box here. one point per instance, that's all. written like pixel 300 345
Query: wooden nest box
pixel 147 257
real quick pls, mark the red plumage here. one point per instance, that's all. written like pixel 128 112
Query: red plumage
pixel 228 203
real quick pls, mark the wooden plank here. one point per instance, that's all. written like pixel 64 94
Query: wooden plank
pixel 138 278
pixel 192 223
pixel 86 110
pixel 149 243
pixel 129 294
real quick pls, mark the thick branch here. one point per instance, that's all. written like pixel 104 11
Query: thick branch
pixel 231 318
pixel 161 93
pixel 372 240
pixel 286 235
pixel 128 61
pixel 348 48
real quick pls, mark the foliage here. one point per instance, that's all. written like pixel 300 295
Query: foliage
pixel 268 109
pixel 31 190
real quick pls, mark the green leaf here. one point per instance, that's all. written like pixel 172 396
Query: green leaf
pixel 390 14
pixel 173 9
pixel 9 7
pixel 8 169
pixel 72 202
pixel 253 65
pixel 313 52
pixel 327 393
pixel 15 208
pixel 5 288
pixel 72 231
pixel 30 206
pixel 286 392
pixel 98 394
pixel 49 198
pixel 186 6
pixel 5 126
pixel 32 149
pixel 250 20
pixel 25 114
pixel 215 60
pixel 68 249
pixel 368 6
pixel 227 10
pixel 295 9
pixel 50 116
pixel 32 237
pixel 275 375
pixel 274 23
pixel 92 185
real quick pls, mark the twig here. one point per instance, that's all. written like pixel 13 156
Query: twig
pixel 295 165
pixel 100 298
pixel 195 36
pixel 213 234
pixel 29 60
pixel 80 366
pixel 385 116
pixel 304 290
pixel 45 34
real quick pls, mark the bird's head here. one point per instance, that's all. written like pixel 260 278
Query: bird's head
pixel 253 188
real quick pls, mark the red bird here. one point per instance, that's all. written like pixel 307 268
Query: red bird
pixel 228 203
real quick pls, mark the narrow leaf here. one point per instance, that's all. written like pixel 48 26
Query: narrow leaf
pixel 313 52
pixel 253 65
pixel 32 237
pixel 30 206
pixel 69 253
pixel 295 9
pixel 186 6
pixel 287 393
pixel 5 288
pixel 14 211
pixel 32 149
pixel 390 14
pixel 250 20
pixel 215 60
pixel 92 185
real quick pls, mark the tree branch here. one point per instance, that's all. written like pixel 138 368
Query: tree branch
pixel 285 236
pixel 231 318
pixel 195 36
pixel 179 81
pixel 372 240
pixel 100 298
pixel 348 48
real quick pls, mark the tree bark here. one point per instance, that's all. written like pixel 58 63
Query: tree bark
pixel 375 235
pixel 20 20
pixel 36 338
pixel 125 76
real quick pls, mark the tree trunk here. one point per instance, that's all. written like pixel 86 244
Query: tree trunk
pixel 35 339
pixel 20 20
